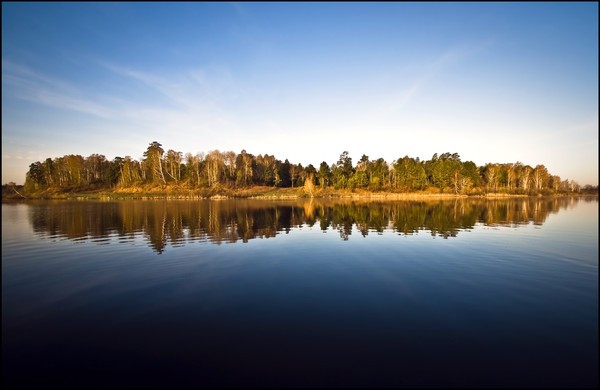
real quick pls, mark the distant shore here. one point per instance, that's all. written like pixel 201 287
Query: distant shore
pixel 256 192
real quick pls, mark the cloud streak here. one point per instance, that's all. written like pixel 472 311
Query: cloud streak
pixel 191 100
pixel 191 89
pixel 396 101
pixel 27 84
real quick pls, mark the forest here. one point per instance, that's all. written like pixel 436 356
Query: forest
pixel 444 173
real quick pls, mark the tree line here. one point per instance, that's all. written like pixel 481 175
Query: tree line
pixel 444 173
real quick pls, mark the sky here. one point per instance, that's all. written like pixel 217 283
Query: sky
pixel 493 82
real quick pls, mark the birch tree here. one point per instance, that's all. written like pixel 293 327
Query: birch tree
pixel 153 158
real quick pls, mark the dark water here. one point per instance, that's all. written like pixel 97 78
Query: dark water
pixel 169 294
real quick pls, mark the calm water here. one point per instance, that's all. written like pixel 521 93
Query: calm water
pixel 253 293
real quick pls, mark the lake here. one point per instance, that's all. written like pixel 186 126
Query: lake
pixel 171 294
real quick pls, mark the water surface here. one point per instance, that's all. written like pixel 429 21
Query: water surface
pixel 460 293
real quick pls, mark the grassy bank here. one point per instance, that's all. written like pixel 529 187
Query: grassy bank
pixel 255 192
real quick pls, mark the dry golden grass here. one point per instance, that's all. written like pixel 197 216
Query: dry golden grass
pixel 183 191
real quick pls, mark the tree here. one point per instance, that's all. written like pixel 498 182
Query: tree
pixel 284 174
pixel 13 186
pixel 94 167
pixel 540 177
pixel 574 186
pixel 295 173
pixel 345 165
pixel 324 174
pixel 215 167
pixel 244 164
pixel 378 173
pixel 230 161
pixel 309 185
pixel 48 169
pixel 173 165
pixel 153 160
pixel 554 183
pixel 194 167
pixel 310 169
pixel 490 173
pixel 363 163
pixel 359 179
pixel 454 169
pixel 470 176
pixel 114 170
pixel 511 176
pixel 342 171
pixel 409 174
pixel 523 173
pixel 444 171
pixel 34 179
pixel 276 171
pixel 130 172
pixel 265 170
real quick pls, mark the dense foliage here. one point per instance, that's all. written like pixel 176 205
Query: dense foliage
pixel 445 173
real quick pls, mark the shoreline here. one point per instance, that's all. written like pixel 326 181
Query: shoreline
pixel 262 193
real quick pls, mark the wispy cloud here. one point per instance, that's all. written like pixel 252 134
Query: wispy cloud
pixel 197 102
pixel 396 101
pixel 190 100
pixel 34 86
pixel 189 89
pixel 25 76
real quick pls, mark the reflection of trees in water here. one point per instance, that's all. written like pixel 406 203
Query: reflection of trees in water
pixel 178 222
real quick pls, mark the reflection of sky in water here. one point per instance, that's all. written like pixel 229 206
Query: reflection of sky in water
pixel 493 300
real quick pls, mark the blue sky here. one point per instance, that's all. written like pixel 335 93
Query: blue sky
pixel 493 82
